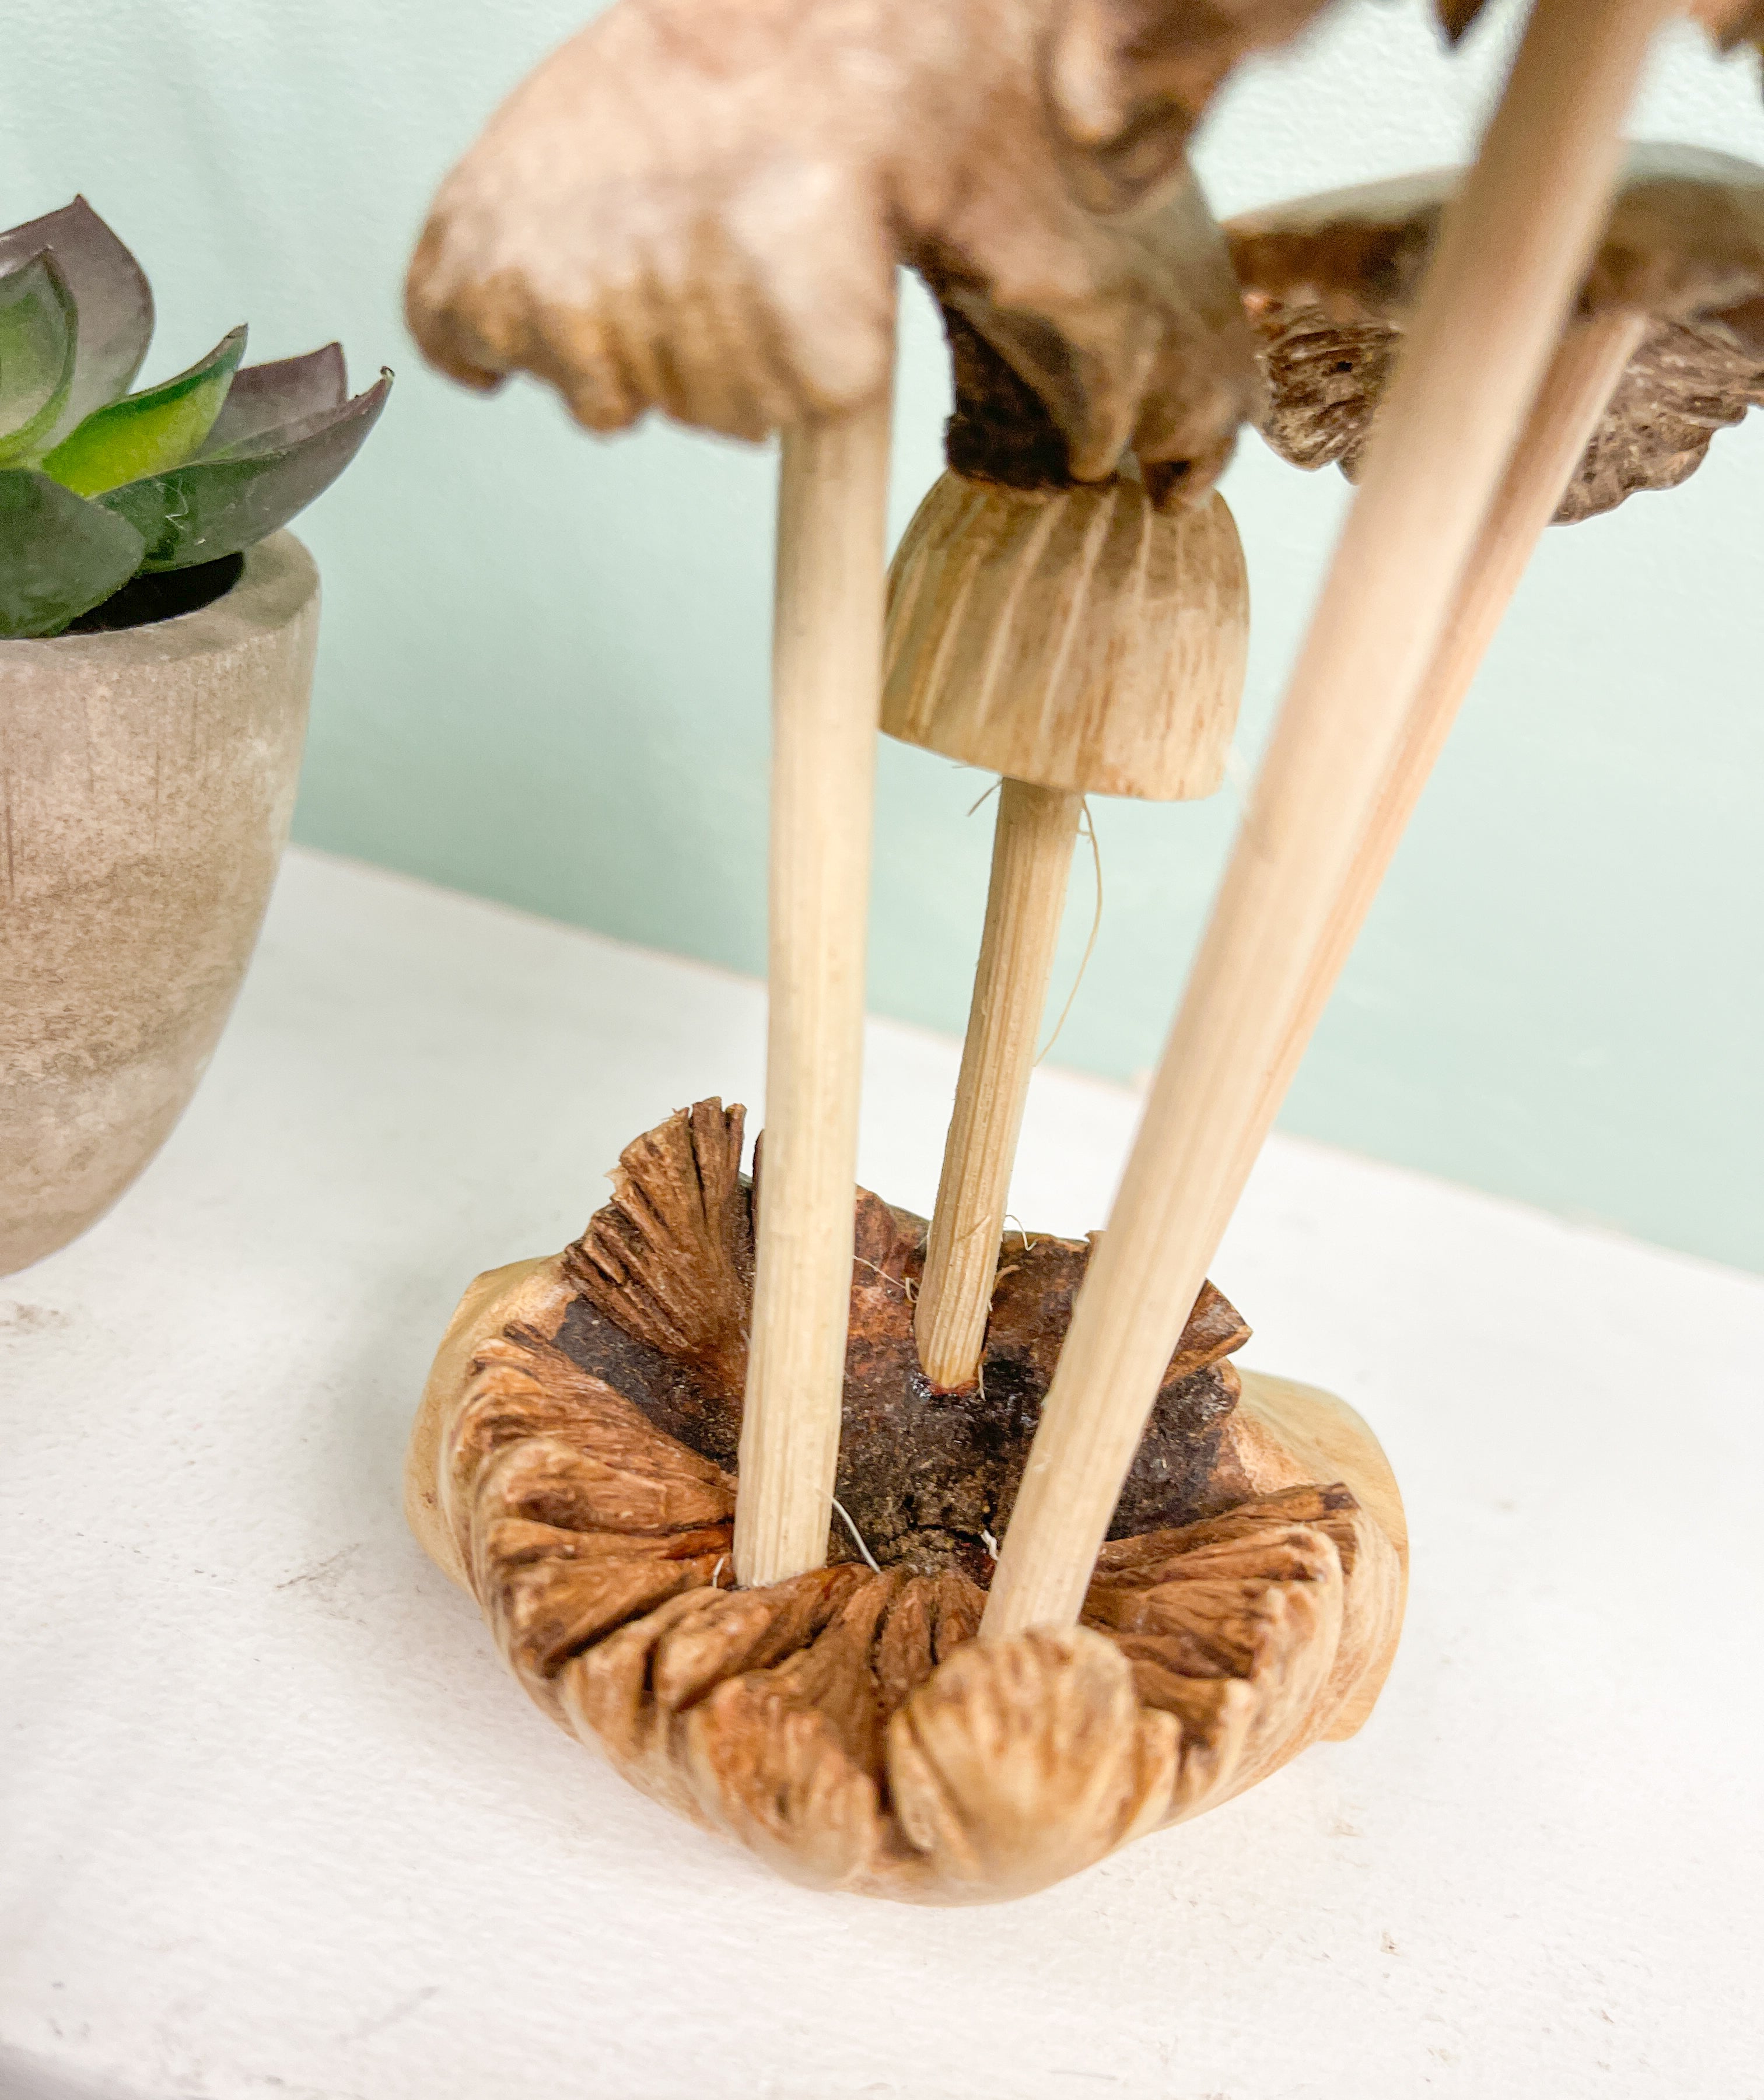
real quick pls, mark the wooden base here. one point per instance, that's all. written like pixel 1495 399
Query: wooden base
pixel 845 1725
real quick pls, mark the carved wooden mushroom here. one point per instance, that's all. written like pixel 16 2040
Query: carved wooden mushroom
pixel 1666 347
pixel 1076 640
pixel 1512 250
pixel 570 1467
pixel 699 206
pixel 1330 281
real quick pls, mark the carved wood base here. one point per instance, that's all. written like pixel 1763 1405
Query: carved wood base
pixel 569 1466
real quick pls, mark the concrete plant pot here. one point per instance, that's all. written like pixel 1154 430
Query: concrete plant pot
pixel 147 778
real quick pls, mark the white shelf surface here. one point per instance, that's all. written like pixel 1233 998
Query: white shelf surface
pixel 274 1824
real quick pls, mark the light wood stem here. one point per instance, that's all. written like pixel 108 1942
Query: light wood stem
pixel 1574 394
pixel 832 493
pixel 1511 251
pixel 1031 864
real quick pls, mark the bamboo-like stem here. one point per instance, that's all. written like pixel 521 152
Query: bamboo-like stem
pixel 1512 247
pixel 1570 404
pixel 1031 864
pixel 832 492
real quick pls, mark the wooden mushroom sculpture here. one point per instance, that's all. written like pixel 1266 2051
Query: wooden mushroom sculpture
pixel 1075 639
pixel 700 210
pixel 717 1520
pixel 1512 250
pixel 699 206
pixel 1664 348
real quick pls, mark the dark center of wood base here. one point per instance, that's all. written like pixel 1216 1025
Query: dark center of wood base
pixel 927 1479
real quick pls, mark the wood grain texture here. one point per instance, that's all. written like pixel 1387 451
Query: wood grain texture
pixel 845 1725
pixel 1083 640
pixel 827 632
pixel 697 206
pixel 1025 901
pixel 1511 253
pixel 1330 281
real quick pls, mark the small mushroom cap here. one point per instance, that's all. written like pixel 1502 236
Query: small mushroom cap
pixel 698 206
pixel 1330 282
pixel 1082 640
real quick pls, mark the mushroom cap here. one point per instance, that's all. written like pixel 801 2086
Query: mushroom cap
pixel 698 206
pixel 1079 639
pixel 1330 282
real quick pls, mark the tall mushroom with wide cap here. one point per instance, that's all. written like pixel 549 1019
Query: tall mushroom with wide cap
pixel 698 206
pixel 1513 248
pixel 1665 347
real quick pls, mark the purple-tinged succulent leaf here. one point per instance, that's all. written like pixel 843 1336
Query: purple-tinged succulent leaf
pixel 60 555
pixel 111 296
pixel 214 506
pixel 268 397
pixel 37 352
pixel 147 433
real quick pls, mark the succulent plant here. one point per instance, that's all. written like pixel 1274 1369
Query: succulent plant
pixel 98 485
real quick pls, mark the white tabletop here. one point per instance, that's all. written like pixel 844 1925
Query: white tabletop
pixel 273 1822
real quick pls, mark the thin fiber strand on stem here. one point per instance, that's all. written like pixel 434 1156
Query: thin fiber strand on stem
pixel 1026 900
pixel 1511 252
pixel 833 489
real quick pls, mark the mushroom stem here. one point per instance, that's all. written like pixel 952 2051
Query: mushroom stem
pixel 832 492
pixel 1032 863
pixel 1512 249
pixel 1570 405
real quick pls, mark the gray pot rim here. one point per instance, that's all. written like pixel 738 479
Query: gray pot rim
pixel 280 575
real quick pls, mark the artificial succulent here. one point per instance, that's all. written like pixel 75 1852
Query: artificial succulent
pixel 98 485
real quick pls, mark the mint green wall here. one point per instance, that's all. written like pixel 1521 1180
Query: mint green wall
pixel 544 665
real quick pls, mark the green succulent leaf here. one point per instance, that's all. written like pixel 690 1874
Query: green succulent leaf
pixel 38 333
pixel 110 295
pixel 60 555
pixel 215 505
pixel 146 433
pixel 267 397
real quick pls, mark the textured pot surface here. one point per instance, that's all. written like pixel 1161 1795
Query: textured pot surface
pixel 147 778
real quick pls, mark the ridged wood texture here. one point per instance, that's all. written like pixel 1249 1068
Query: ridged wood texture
pixel 1025 901
pixel 845 1725
pixel 833 494
pixel 1082 641
pixel 1513 248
